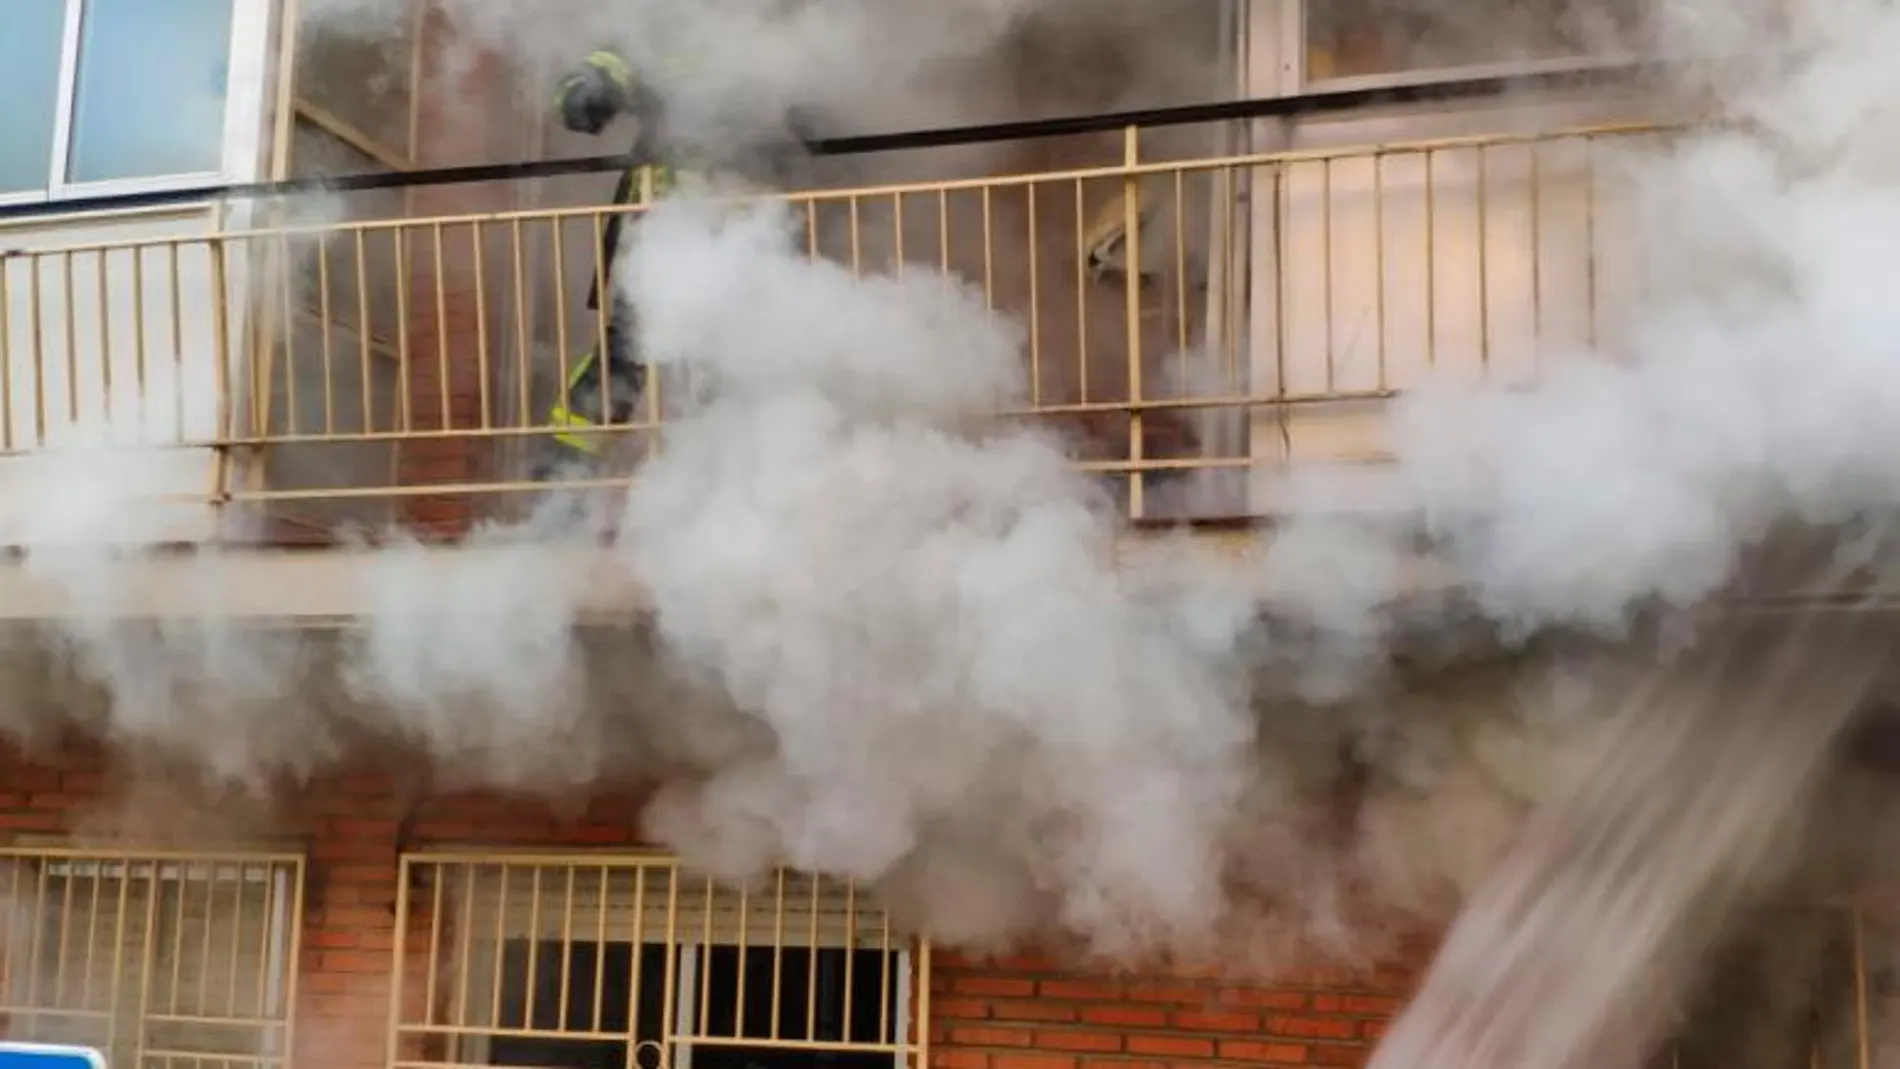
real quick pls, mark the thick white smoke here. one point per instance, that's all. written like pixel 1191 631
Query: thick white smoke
pixel 889 638
pixel 923 607
pixel 1756 387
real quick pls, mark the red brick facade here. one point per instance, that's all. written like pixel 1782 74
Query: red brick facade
pixel 1016 1013
pixel 1034 1013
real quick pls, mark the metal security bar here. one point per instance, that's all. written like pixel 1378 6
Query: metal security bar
pixel 1193 326
pixel 1800 988
pixel 160 960
pixel 612 962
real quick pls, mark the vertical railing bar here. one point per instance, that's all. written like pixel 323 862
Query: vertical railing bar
pixel 286 1009
pixel 482 386
pixel 603 315
pixel 600 961
pixel 1131 158
pixel 567 946
pixel 465 947
pixel 638 967
pixel 1328 310
pixel 989 248
pixel 118 956
pixel 534 947
pixel 71 335
pixel 150 954
pixel 177 336
pixel 850 957
pixel 811 959
pixel 857 235
pixel 6 355
pixel 1035 298
pixel 326 328
pixel 1537 246
pixel 702 1022
pixel 398 958
pixel 37 316
pixel 139 342
pixel 557 237
pixel 364 332
pixel 500 941
pixel 897 234
pixel 406 418
pixel 105 338
pixel 524 386
pixel 430 981
pixel 1379 265
pixel 441 287
pixel 1181 326
pixel 1484 259
pixel 1081 254
pixel 1431 258
pixel 741 952
pixel 287 302
pixel 1592 299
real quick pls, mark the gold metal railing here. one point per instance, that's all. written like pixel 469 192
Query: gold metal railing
pixel 625 960
pixel 1194 326
pixel 160 960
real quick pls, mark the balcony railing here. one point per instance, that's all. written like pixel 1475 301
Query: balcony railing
pixel 1255 311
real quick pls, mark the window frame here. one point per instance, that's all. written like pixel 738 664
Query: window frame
pixel 282 925
pixel 282 873
pixel 479 926
pixel 245 62
pixel 1295 47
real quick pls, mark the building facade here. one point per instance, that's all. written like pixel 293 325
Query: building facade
pixel 1202 307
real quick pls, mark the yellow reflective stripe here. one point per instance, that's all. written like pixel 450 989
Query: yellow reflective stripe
pixel 665 179
pixel 585 445
pixel 561 416
pixel 613 66
pixel 581 369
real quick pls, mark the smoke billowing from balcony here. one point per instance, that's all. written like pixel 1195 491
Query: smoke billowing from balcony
pixel 888 639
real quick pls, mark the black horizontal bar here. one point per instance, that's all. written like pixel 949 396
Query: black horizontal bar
pixel 1287 107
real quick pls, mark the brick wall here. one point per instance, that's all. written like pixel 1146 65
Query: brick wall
pixel 1018 1013
pixel 1033 1013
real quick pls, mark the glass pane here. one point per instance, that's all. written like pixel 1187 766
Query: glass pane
pixel 152 81
pixel 29 83
pixel 1351 38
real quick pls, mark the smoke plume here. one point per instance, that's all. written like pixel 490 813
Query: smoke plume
pixel 889 638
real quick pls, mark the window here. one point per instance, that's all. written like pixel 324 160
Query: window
pixel 1402 39
pixel 150 959
pixel 628 962
pixel 107 92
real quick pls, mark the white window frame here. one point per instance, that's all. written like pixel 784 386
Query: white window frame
pixel 246 84
pixel 1294 47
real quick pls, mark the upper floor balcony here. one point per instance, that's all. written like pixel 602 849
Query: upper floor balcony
pixel 1202 307
pixel 1192 327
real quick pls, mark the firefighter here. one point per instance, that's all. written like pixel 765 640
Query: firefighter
pixel 600 89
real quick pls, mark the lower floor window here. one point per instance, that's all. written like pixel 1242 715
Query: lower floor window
pixel 633 964
pixel 154 960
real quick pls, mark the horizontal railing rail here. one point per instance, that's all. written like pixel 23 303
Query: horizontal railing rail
pixel 1303 105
